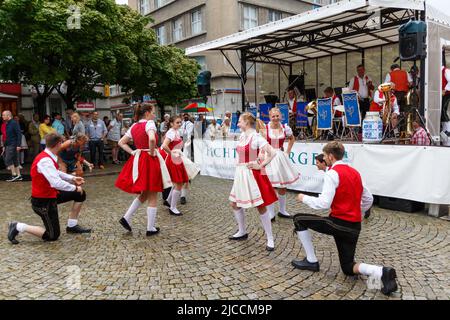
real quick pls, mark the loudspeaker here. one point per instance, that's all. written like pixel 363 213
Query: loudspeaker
pixel 297 81
pixel 272 99
pixel 204 83
pixel 412 41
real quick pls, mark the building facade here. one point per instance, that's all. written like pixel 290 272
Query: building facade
pixel 185 23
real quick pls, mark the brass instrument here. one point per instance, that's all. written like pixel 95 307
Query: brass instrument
pixel 409 127
pixel 387 108
pixel 311 109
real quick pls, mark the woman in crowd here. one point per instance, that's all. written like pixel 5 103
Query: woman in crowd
pixel 251 187
pixel 78 126
pixel 280 170
pixel 45 128
pixel 71 158
pixel 145 172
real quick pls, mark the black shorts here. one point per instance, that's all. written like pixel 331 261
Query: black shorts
pixel 47 209
pixel 10 156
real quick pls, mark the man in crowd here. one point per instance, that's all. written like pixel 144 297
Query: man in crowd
pixel 186 132
pixel 57 123
pixel 68 125
pixel 96 131
pixel 420 136
pixel 35 138
pixel 164 127
pixel 12 139
pixel 345 194
pixel 362 84
pixel 114 135
pixel 50 187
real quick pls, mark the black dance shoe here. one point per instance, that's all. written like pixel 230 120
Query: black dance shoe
pixel 284 216
pixel 367 213
pixel 273 219
pixel 125 224
pixel 166 203
pixel 183 200
pixel 240 238
pixel 152 233
pixel 306 265
pixel 388 279
pixel 12 232
pixel 175 214
pixel 270 248
pixel 77 229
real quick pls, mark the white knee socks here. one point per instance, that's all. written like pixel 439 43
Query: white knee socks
pixel 271 211
pixel 305 239
pixel 267 225
pixel 169 197
pixel 132 209
pixel 239 215
pixel 151 218
pixel 282 201
pixel 184 192
pixel 174 201
pixel 72 223
pixel 371 270
pixel 21 227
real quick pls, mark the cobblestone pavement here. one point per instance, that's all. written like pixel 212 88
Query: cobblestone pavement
pixel 192 258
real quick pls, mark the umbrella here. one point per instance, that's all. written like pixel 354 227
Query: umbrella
pixel 197 107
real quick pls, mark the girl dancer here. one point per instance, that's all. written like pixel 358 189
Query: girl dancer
pixel 251 187
pixel 280 170
pixel 145 172
pixel 171 151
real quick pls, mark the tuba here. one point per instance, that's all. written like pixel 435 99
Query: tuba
pixel 387 107
pixel 311 109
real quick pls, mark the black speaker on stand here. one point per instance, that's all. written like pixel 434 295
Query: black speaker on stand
pixel 412 41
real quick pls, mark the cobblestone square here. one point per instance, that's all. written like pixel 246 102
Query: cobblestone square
pixel 192 257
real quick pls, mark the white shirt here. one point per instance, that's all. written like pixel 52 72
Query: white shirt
pixel 330 184
pixel 186 130
pixel 114 132
pixel 447 76
pixel 380 101
pixel 388 77
pixel 149 126
pixel 291 104
pixel 57 179
pixel 363 88
pixel 258 142
pixel 287 131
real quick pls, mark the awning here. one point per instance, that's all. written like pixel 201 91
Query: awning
pixel 341 27
pixel 8 96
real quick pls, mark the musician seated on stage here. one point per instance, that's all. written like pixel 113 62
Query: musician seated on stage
pixel 379 102
pixel 420 136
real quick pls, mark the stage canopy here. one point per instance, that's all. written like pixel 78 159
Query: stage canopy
pixel 351 25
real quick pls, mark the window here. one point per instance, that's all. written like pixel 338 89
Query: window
pixel 159 3
pixel 250 17
pixel 196 20
pixel 177 27
pixel 161 35
pixel 201 60
pixel 274 15
pixel 144 6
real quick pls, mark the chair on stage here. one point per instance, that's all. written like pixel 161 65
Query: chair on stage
pixel 338 120
pixel 352 116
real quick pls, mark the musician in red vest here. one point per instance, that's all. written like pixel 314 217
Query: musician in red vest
pixel 445 93
pixel 403 81
pixel 50 187
pixel 343 192
pixel 362 84
pixel 292 100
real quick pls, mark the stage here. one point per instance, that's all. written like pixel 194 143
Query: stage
pixel 417 173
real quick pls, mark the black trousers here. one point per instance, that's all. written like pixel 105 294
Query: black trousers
pixel 47 209
pixel 364 106
pixel 345 235
pixel 95 145
pixel 445 102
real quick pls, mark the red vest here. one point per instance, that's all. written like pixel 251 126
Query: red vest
pixel 444 80
pixel 40 187
pixel 378 108
pixel 346 204
pixel 400 78
pixel 336 113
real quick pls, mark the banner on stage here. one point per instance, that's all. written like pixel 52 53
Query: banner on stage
pixel 324 114
pixel 385 169
pixel 351 107
pixel 302 116
pixel 284 109
pixel 234 121
pixel 264 109
pixel 253 110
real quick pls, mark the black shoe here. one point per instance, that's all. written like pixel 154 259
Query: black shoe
pixel 240 238
pixel 166 203
pixel 175 214
pixel 306 265
pixel 125 224
pixel 270 248
pixel 183 200
pixel 77 229
pixel 367 214
pixel 388 279
pixel 12 232
pixel 273 219
pixel 284 216
pixel 151 233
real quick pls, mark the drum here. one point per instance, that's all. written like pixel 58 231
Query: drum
pixel 372 128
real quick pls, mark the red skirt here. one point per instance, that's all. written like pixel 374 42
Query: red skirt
pixel 265 187
pixel 149 179
pixel 178 173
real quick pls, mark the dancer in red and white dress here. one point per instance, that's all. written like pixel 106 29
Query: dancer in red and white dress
pixel 252 187
pixel 145 172
pixel 171 151
pixel 280 170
